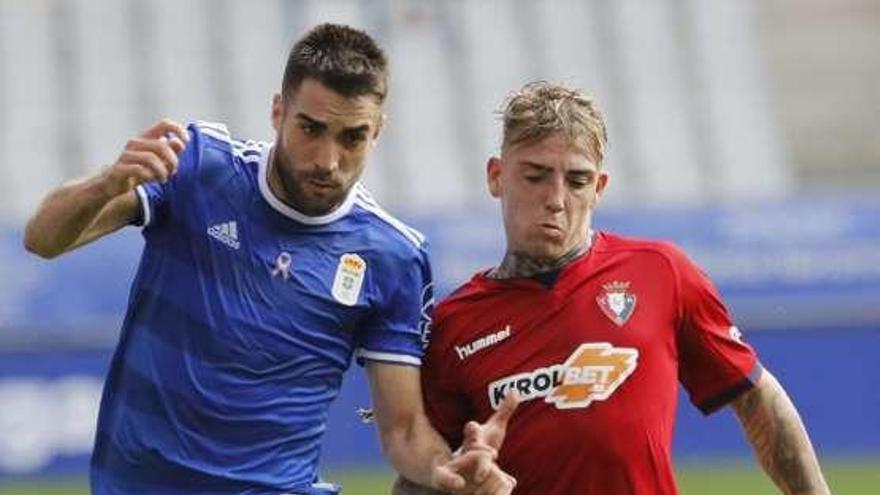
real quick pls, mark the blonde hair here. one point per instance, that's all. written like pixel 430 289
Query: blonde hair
pixel 540 109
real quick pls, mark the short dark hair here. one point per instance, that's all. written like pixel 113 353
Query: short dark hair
pixel 342 58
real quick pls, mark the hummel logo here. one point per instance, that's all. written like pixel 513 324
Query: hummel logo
pixel 226 232
pixel 482 343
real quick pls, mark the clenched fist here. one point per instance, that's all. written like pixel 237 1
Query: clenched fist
pixel 152 156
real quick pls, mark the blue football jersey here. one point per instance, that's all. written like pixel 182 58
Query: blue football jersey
pixel 243 316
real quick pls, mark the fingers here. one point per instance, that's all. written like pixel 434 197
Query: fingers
pixel 151 157
pixel 473 464
pixel 448 480
pixel 142 166
pixel 177 146
pixel 496 427
pixel 476 473
pixel 489 436
pixel 482 474
pixel 498 483
pixel 475 438
pixel 505 410
pixel 163 148
pixel 471 429
pixel 166 127
pixel 483 469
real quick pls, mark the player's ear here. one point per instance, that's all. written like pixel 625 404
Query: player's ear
pixel 380 124
pixel 493 176
pixel 601 184
pixel 277 111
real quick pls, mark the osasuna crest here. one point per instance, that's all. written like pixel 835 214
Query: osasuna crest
pixel 616 302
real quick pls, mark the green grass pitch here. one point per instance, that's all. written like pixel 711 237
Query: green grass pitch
pixel 849 478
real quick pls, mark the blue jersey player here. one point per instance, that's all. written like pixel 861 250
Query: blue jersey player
pixel 267 267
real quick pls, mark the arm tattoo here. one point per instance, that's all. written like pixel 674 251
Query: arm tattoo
pixel 520 265
pixel 781 444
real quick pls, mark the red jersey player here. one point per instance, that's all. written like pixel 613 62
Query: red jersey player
pixel 593 331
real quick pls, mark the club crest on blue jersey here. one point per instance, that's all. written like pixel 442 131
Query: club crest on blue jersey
pixel 349 279
pixel 616 302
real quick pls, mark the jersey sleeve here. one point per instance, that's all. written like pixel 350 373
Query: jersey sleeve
pixel 156 198
pixel 444 405
pixel 715 364
pixel 398 327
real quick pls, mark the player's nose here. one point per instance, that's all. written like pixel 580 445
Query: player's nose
pixel 327 157
pixel 554 199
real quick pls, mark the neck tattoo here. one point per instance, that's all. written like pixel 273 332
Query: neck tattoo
pixel 520 265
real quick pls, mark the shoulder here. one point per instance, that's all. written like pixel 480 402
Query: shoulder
pixel 216 153
pixel 387 231
pixel 662 251
pixel 217 137
pixel 460 301
pixel 460 316
pixel 658 259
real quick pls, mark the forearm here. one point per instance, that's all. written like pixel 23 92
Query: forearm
pixel 415 451
pixel 403 486
pixel 414 447
pixel 64 217
pixel 84 210
pixel 779 439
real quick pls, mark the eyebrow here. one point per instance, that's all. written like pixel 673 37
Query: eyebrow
pixel 316 122
pixel 360 128
pixel 545 168
pixel 531 164
pixel 310 120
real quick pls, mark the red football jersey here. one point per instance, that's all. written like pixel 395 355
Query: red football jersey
pixel 596 358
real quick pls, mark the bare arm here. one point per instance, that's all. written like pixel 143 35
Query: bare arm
pixel 779 439
pixel 403 486
pixel 76 214
pixel 486 437
pixel 86 209
pixel 412 445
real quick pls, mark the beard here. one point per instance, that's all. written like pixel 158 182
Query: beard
pixel 298 193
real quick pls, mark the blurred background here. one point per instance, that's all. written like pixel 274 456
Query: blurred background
pixel 747 131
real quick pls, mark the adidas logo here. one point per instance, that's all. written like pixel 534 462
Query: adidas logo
pixel 226 232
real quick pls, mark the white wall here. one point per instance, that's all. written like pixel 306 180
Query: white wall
pixel 680 82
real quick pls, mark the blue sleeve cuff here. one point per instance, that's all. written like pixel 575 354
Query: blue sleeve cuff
pixel 363 355
pixel 146 215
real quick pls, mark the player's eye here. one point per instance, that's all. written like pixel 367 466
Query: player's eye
pixel 310 129
pixel 579 181
pixel 352 139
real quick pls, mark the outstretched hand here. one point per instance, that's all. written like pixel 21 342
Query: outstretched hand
pixel 473 472
pixel 473 469
pixel 489 436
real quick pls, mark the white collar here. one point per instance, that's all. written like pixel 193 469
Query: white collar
pixel 292 213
